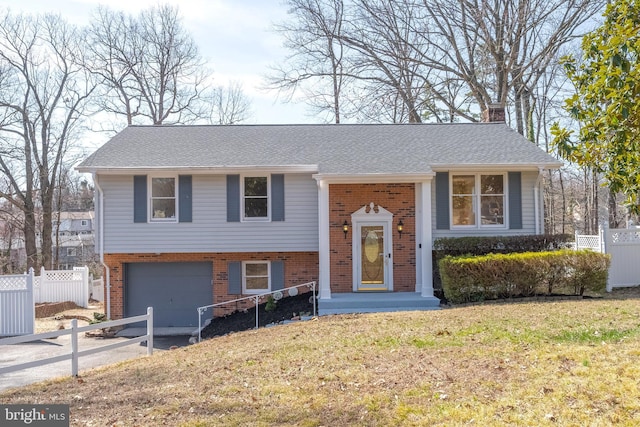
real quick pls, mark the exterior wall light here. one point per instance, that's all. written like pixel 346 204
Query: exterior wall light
pixel 345 228
pixel 400 228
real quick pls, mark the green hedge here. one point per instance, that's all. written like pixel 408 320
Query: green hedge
pixel 483 245
pixel 476 278
pixel 501 244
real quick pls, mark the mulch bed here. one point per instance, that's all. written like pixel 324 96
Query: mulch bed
pixel 286 309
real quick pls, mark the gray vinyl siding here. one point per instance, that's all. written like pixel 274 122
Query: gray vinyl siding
pixel 96 221
pixel 528 214
pixel 209 230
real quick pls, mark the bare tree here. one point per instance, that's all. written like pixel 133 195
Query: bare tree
pixel 501 47
pixel 440 59
pixel 10 230
pixel 316 65
pixel 228 105
pixel 44 89
pixel 151 68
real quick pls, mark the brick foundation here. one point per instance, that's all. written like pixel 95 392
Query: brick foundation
pixel 299 268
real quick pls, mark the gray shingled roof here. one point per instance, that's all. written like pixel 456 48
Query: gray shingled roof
pixel 335 149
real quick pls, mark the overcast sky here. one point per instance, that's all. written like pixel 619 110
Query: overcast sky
pixel 233 35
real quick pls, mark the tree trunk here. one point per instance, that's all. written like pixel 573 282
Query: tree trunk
pixel 29 231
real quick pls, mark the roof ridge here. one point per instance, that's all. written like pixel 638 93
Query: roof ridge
pixel 163 126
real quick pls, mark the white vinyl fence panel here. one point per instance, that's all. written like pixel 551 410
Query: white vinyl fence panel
pixel 595 242
pixel 63 285
pixel 623 244
pixel 17 309
pixel 624 247
pixel 97 289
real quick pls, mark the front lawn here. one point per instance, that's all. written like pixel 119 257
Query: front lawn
pixel 538 363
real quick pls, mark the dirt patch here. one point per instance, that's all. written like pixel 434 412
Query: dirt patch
pixel 60 318
pixel 49 309
pixel 288 308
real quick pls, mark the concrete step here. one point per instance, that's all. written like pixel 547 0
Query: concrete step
pixel 376 302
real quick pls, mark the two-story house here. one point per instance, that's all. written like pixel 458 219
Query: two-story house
pixel 191 215
pixel 73 239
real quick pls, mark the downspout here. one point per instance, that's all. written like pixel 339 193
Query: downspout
pixel 537 203
pixel 101 245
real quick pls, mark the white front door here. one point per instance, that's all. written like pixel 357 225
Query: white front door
pixel 373 262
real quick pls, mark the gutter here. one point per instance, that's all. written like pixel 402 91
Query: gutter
pixel 101 245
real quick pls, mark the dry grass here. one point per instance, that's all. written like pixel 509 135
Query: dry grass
pixel 569 363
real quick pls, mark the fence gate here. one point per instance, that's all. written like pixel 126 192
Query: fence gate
pixel 624 247
pixel 17 309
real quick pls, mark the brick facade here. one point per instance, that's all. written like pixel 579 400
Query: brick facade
pixel 399 199
pixel 299 268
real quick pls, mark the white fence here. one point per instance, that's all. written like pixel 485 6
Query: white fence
pixel 595 242
pixel 62 285
pixel 75 353
pixel 624 247
pixel 96 290
pixel 623 244
pixel 20 293
pixel 17 310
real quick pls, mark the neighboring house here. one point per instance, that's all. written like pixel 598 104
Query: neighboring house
pixel 191 215
pixel 74 242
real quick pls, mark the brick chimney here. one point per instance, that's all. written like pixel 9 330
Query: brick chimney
pixel 493 113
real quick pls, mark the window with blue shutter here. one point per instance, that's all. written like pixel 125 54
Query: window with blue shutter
pixel 478 200
pixel 255 198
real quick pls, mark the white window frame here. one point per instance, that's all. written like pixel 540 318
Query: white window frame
pixel 244 278
pixel 242 199
pixel 150 198
pixel 84 222
pixel 72 252
pixel 477 197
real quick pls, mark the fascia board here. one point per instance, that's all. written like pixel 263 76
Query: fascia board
pixel 209 170
pixel 373 178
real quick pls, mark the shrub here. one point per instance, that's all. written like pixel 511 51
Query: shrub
pixel 455 246
pixel 501 244
pixel 475 278
pixel 589 271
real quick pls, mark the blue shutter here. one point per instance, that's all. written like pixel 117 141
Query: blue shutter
pixel 234 276
pixel 233 198
pixel 442 200
pixel 185 198
pixel 515 200
pixel 140 198
pixel 277 197
pixel 277 275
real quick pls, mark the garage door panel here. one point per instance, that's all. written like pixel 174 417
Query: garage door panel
pixel 174 290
